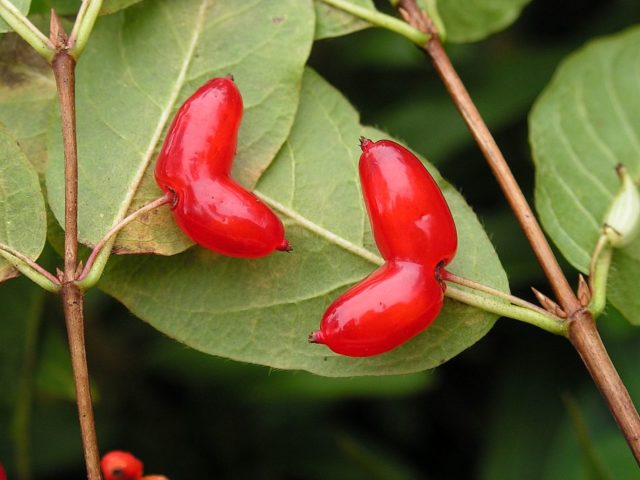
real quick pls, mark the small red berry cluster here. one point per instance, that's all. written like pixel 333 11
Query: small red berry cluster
pixel 411 222
pixel 120 465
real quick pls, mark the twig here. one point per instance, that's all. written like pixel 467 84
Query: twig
pixel 85 20
pixel 84 276
pixel 582 331
pixel 23 263
pixel 375 17
pixel 63 66
pixel 448 276
pixel 27 30
pixel 545 320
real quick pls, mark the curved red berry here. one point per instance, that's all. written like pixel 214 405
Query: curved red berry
pixel 219 214
pixel 416 235
pixel 195 164
pixel 119 465
pixel 409 216
pixel 3 474
pixel 392 305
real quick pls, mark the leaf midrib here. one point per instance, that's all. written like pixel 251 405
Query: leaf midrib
pixel 165 113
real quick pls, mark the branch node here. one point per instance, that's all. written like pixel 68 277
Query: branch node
pixel 549 305
pixel 57 34
pixel 584 292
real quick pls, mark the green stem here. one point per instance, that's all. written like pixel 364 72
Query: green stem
pixel 448 276
pixel 599 274
pixel 27 30
pixel 375 17
pixel 84 25
pixel 30 269
pixel 544 321
pixel 96 262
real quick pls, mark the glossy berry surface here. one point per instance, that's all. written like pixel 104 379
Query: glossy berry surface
pixel 195 164
pixel 390 306
pixel 409 216
pixel 119 465
pixel 415 233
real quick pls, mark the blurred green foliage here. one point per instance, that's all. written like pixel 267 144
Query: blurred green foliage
pixel 494 412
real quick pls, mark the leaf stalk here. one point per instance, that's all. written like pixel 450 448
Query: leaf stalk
pixel 374 17
pixel 27 30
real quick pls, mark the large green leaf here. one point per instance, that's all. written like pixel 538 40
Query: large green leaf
pixel 333 22
pixel 585 123
pixel 22 5
pixel 261 311
pixel 23 220
pixel 138 68
pixel 471 20
pixel 27 94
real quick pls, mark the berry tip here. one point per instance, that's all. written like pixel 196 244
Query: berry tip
pixel 285 246
pixel 316 337
pixel 365 143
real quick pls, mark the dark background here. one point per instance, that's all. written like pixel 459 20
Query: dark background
pixel 519 404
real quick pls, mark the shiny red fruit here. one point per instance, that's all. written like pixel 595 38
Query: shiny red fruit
pixel 409 216
pixel 119 465
pixel 415 233
pixel 390 306
pixel 3 474
pixel 195 164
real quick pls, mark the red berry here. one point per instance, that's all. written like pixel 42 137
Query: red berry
pixel 390 306
pixel 119 465
pixel 3 474
pixel 195 164
pixel 416 235
pixel 409 216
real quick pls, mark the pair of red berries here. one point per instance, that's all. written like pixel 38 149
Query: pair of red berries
pixel 411 222
pixel 119 465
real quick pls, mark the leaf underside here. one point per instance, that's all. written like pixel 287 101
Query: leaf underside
pixel 22 216
pixel 261 311
pixel 140 65
pixel 583 125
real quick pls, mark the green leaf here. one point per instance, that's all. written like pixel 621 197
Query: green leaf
pixel 333 22
pixel 23 219
pixel 472 20
pixel 27 94
pixel 582 126
pixel 112 6
pixel 23 6
pixel 62 7
pixel 140 65
pixel 261 311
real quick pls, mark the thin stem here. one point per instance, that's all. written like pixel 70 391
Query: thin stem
pixel 63 66
pixel 498 165
pixel 27 30
pixel 544 320
pixel 88 278
pixel 85 20
pixel 598 275
pixel 73 304
pixel 30 269
pixel 586 340
pixel 375 17
pixel 448 276
pixel 582 332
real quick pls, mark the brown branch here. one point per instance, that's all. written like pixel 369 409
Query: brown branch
pixel 63 66
pixel 582 332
